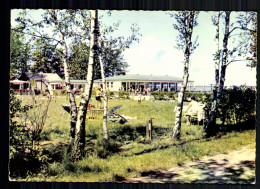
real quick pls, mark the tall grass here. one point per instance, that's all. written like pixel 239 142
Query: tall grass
pixel 128 154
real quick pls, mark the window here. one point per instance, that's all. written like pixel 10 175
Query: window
pixel 172 86
pixel 157 86
pixel 107 84
pixel 111 84
pixel 16 86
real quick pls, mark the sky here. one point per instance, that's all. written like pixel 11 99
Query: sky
pixel 156 53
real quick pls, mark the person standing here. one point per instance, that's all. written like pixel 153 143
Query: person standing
pixel 98 97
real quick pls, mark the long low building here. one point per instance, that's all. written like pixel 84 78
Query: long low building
pixel 144 82
pixel 52 82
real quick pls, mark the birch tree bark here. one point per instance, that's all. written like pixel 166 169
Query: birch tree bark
pixel 187 22
pixel 210 124
pixel 54 14
pixel 79 144
pixel 105 131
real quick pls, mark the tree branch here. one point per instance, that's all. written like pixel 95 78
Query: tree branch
pixel 35 35
pixel 235 61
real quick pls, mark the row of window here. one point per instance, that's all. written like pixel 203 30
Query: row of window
pixel 111 84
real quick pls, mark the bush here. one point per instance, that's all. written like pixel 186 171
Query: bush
pixel 63 92
pixel 199 96
pixel 25 154
pixel 55 93
pixel 171 94
pixel 158 95
pixel 237 104
pixel 105 147
pixel 123 94
pixel 110 93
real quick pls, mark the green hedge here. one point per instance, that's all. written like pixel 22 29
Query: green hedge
pixel 237 104
pixel 123 94
pixel 159 95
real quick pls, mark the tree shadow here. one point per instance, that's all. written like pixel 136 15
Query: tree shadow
pixel 158 175
pixel 242 126
pixel 231 174
pixel 209 172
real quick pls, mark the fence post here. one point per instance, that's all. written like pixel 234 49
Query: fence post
pixel 149 129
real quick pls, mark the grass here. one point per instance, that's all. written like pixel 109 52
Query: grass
pixel 128 153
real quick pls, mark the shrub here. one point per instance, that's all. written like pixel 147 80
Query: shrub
pixel 199 96
pixel 110 93
pixel 123 94
pixel 158 95
pixel 170 95
pixel 55 93
pixel 63 92
pixel 237 104
pixel 105 147
pixel 25 155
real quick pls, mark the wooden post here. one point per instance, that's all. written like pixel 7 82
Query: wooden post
pixel 149 129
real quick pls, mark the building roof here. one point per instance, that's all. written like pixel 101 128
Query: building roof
pixel 137 77
pixel 75 81
pixel 16 81
pixel 78 81
pixel 46 77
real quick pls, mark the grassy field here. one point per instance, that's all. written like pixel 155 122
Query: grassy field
pixel 127 154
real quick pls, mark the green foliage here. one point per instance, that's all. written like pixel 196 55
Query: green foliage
pixel 110 93
pixel 19 54
pixel 63 92
pixel 199 96
pixel 25 154
pixel 135 155
pixel 75 26
pixel 79 60
pixel 105 147
pixel 159 95
pixel 123 94
pixel 47 58
pixel 55 93
pixel 171 94
pixel 237 104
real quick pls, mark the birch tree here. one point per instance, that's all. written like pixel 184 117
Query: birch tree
pixel 79 145
pixel 65 28
pixel 228 56
pixel 105 131
pixel 185 22
pixel 73 105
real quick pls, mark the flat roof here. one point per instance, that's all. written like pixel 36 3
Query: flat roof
pixel 138 77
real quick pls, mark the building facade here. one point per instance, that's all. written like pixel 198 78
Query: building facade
pixel 52 82
pixel 144 82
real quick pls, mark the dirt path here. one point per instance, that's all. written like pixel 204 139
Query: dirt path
pixel 234 167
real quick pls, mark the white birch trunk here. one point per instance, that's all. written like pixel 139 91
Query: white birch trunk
pixel 105 131
pixel 79 144
pixel 224 59
pixel 209 126
pixel 176 133
pixel 73 105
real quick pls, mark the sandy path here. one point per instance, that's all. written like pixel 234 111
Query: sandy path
pixel 234 167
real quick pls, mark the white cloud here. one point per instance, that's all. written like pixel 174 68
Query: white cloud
pixel 143 58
